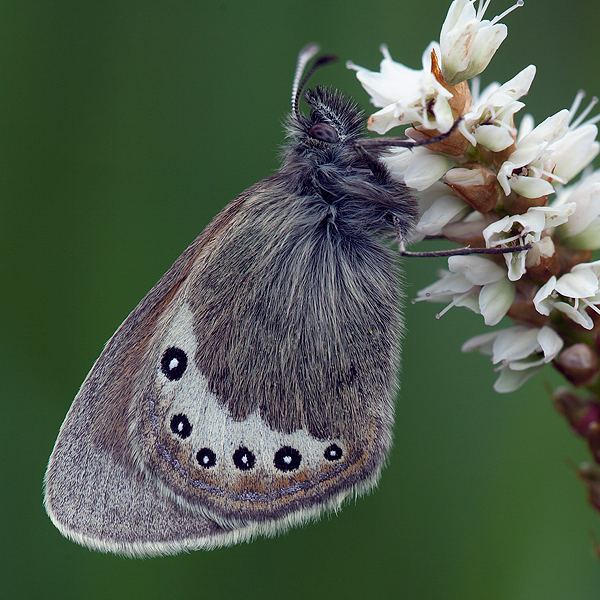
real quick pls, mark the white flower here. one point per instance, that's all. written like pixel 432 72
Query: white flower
pixel 582 230
pixel 580 287
pixel 524 229
pixel 532 160
pixel 490 120
pixel 578 147
pixel 438 208
pixel 467 41
pixel 406 96
pixel 557 149
pixel 418 168
pixel 522 352
pixel 474 282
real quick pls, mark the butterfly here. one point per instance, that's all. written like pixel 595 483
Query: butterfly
pixel 253 388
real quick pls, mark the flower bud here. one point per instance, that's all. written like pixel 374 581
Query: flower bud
pixel 578 364
pixel 580 413
pixel 467 41
pixel 475 184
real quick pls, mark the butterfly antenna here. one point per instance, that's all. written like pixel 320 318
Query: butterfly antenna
pixel 303 57
pixel 300 81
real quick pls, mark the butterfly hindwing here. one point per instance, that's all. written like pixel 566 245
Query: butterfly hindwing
pixel 97 489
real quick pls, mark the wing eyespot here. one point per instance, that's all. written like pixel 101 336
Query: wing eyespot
pixel 181 426
pixel 206 458
pixel 243 459
pixel 173 363
pixel 287 459
pixel 333 452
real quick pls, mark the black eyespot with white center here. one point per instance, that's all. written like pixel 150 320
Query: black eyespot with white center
pixel 323 132
pixel 333 452
pixel 173 363
pixel 287 459
pixel 181 426
pixel 243 459
pixel 206 458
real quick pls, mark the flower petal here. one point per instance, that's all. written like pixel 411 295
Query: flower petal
pixel 550 342
pixel 515 343
pixel 510 381
pixel 417 168
pixel 531 187
pixel 476 269
pixel 542 299
pixel 495 299
pixel 581 283
pixel 484 343
pixel 446 209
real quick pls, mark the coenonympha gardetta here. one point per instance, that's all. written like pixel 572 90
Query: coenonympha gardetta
pixel 253 388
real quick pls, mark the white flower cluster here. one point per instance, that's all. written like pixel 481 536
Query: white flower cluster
pixel 491 184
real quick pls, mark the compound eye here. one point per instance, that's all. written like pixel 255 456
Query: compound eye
pixel 324 132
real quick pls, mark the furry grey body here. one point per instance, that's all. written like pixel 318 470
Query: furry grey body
pixel 293 330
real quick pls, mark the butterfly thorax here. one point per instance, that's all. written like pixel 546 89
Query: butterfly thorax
pixel 333 172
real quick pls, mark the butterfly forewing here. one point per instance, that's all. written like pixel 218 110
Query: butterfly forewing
pixel 253 387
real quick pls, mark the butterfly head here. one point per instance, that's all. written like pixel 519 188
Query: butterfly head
pixel 327 133
pixel 333 120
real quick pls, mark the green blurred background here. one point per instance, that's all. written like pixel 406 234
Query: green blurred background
pixel 125 126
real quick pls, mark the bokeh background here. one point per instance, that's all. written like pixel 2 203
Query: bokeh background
pixel 125 126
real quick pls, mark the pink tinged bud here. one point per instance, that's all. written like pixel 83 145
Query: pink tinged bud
pixel 580 413
pixel 578 364
pixel 593 440
pixel 475 184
